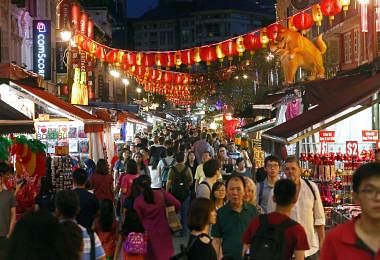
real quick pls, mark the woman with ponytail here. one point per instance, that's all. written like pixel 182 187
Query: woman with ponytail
pixel 151 209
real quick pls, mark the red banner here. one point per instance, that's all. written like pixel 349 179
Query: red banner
pixel 327 136
pixel 352 148
pixel 90 29
pixel 83 24
pixel 64 13
pixel 75 15
pixel 370 135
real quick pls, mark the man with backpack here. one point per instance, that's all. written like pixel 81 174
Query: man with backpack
pixel 179 182
pixel 276 236
pixel 164 165
pixel 211 169
pixel 264 188
pixel 308 210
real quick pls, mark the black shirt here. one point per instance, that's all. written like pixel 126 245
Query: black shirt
pixel 89 205
pixel 199 249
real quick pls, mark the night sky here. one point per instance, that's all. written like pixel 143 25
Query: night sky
pixel 136 8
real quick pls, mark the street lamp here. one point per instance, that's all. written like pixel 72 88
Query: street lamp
pixel 138 90
pixel 65 35
pixel 126 83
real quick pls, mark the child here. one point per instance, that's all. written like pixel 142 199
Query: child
pixel 105 227
pixel 132 238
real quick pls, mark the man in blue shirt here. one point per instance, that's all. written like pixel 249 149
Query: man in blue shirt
pixel 67 208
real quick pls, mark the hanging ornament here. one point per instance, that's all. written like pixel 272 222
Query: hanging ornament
pixel 100 53
pixel 167 77
pixel 302 21
pixel 161 59
pixel 273 30
pixel 84 45
pixel 240 48
pixel 291 24
pixel 119 58
pixel 345 4
pixel 252 42
pixel 219 52
pixel 177 59
pixel 148 60
pixel 139 58
pixel 111 56
pixel 208 54
pixel 170 60
pixel 187 57
pixel 197 55
pixel 317 14
pixel 179 79
pixel 264 40
pixel 78 39
pixel 92 47
pixel 330 8
pixel 140 71
pixel 229 48
pixel 129 59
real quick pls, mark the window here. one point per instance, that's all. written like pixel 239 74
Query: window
pixel 347 47
pixel 162 37
pixel 356 44
pixel 170 37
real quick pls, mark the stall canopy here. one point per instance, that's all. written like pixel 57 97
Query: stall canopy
pixel 342 98
pixel 13 121
pixel 42 97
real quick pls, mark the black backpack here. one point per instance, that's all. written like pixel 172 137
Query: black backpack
pixel 269 240
pixel 180 187
pixel 184 253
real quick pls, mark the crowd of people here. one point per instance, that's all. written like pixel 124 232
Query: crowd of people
pixel 227 209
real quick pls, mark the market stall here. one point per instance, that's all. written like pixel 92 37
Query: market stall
pixel 127 126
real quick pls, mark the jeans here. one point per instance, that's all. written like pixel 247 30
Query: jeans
pixel 185 205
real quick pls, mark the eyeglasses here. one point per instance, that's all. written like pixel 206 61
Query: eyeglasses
pixel 370 193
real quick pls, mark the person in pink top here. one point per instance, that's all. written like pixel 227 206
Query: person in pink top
pixel 127 180
pixel 102 181
pixel 150 207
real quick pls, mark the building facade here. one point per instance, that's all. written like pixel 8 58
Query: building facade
pixel 183 24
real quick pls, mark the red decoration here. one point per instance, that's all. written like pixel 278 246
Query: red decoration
pixel 330 8
pixel 90 29
pixel 302 21
pixel 187 57
pixel 148 60
pixel 170 60
pixel 229 49
pixel 111 56
pixel 167 77
pixel 161 59
pixel 252 42
pixel 208 54
pixel 179 79
pixel 75 14
pixel 129 59
pixel 83 24
pixel 272 31
pixel 140 71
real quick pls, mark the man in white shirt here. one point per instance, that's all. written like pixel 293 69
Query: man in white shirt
pixel 308 210
pixel 199 173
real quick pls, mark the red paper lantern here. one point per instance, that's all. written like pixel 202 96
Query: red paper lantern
pixel 84 45
pixel 208 54
pixel 187 57
pixel 148 60
pixel 111 56
pixel 167 77
pixel 302 21
pixel 272 31
pixel 161 59
pixel 100 53
pixel 154 74
pixel 177 59
pixel 140 71
pixel 90 29
pixel 129 59
pixel 229 49
pixel 330 8
pixel 139 58
pixel 170 60
pixel 252 42
pixel 179 79
pixel 75 14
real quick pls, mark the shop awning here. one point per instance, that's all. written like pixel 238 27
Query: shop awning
pixel 91 122
pixel 12 72
pixel 346 98
pixel 134 119
pixel 13 121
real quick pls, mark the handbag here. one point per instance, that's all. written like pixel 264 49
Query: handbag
pixel 172 217
pixel 135 244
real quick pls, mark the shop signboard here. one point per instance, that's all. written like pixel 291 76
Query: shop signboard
pixel 370 135
pixel 352 148
pixel 327 136
pixel 61 48
pixel 42 48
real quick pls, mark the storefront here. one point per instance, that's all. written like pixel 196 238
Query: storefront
pixel 332 138
pixel 128 125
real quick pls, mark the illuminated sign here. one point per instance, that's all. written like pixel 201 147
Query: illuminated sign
pixel 42 48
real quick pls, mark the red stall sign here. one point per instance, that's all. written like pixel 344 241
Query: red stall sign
pixel 327 136
pixel 352 148
pixel 370 135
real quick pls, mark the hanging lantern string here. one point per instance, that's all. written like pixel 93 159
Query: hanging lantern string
pixel 203 46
